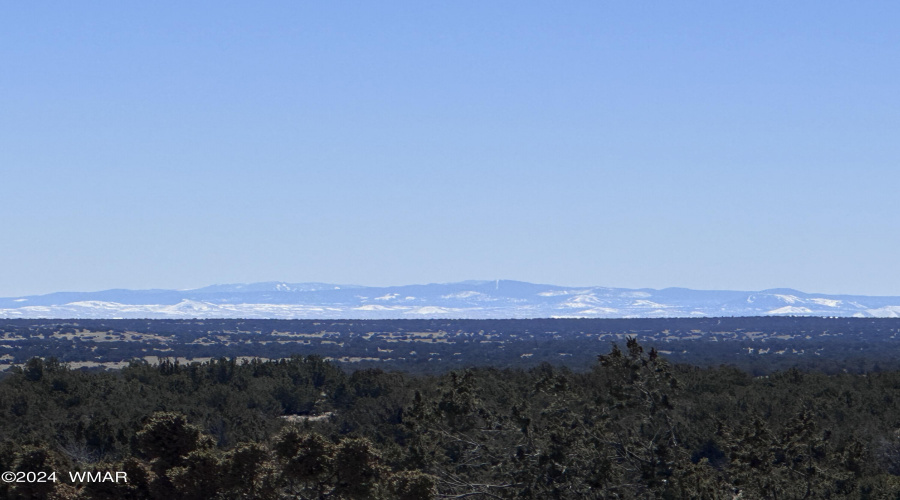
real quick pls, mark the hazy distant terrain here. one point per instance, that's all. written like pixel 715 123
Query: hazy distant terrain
pixel 757 344
pixel 464 300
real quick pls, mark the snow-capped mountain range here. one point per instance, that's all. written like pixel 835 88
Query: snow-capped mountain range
pixel 467 299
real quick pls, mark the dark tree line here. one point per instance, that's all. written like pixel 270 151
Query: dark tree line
pixel 633 426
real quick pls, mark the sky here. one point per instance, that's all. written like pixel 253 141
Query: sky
pixel 707 145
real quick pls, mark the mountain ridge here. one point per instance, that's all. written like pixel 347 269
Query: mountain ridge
pixel 473 299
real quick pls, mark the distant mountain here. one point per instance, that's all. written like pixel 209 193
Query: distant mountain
pixel 467 299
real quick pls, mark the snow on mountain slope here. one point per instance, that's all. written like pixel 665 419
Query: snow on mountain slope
pixel 790 310
pixel 470 299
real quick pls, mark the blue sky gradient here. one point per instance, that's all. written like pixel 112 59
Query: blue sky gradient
pixel 711 145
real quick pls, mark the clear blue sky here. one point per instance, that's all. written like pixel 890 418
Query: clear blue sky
pixel 710 145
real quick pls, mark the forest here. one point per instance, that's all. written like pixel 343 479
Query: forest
pixel 631 425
